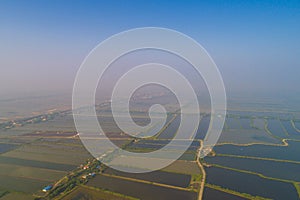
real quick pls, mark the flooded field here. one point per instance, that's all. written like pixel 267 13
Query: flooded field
pixel 179 180
pixel 158 144
pixel 171 130
pixel 219 195
pixel 203 127
pixel 246 136
pixel 92 193
pixel 297 125
pixel 267 168
pixel 108 123
pixel 140 190
pixel 44 152
pixel 233 123
pixel 293 134
pixel 7 147
pixel 259 123
pixel 275 127
pixel 246 123
pixel 290 152
pixel 250 184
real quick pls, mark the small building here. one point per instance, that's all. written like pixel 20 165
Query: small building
pixel 92 174
pixel 47 188
pixel 84 176
pixel 86 167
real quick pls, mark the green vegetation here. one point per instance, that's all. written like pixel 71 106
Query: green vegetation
pixel 196 177
pixel 297 186
pixel 3 193
pixel 75 178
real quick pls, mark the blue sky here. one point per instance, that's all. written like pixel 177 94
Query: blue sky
pixel 255 44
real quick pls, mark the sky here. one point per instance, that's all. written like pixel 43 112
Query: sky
pixel 255 44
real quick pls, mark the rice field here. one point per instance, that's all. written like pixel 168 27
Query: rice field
pixel 20 184
pixel 7 147
pixel 40 154
pixel 210 194
pixel 290 152
pixel 168 178
pixel 265 167
pixel 140 190
pixel 233 123
pixel 297 125
pixel 250 184
pixel 246 136
pixel 32 166
pixel 275 127
pixel 203 127
pixel 245 123
pixel 17 195
pixel 31 172
pixel 293 133
pixel 183 167
pixel 259 123
pixel 93 194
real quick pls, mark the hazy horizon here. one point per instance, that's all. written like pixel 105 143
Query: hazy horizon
pixel 255 45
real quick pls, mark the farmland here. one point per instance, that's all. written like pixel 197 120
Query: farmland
pixel 145 191
pixel 49 152
pixel 94 194
pixel 179 180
